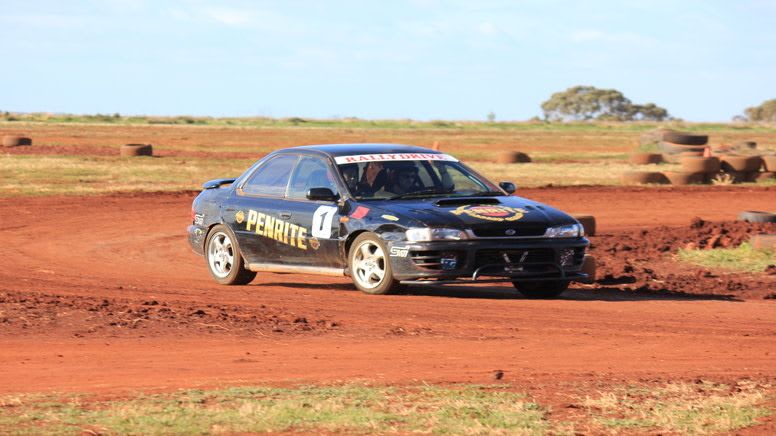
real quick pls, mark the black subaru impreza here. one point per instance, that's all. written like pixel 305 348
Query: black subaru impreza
pixel 386 215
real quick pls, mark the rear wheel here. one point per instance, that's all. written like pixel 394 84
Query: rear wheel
pixel 541 290
pixel 370 267
pixel 224 259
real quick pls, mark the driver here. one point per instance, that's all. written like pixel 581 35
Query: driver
pixel 404 179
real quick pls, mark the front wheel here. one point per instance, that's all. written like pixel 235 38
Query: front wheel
pixel 541 290
pixel 370 268
pixel 224 260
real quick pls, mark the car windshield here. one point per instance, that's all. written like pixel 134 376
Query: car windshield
pixel 394 179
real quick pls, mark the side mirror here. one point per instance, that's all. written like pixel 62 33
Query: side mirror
pixel 508 186
pixel 321 194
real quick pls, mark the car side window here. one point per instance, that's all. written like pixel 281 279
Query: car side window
pixel 271 179
pixel 311 172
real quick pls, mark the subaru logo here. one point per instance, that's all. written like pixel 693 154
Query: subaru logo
pixel 510 232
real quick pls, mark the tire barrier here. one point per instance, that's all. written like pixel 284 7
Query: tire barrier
pixel 130 150
pixel 769 163
pixel 754 216
pixel 673 148
pixel 686 178
pixel 588 223
pixel 685 138
pixel 700 164
pixel 644 177
pixel 747 164
pixel 15 141
pixel 508 157
pixel 645 158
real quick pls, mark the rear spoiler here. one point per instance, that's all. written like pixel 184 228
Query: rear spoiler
pixel 217 183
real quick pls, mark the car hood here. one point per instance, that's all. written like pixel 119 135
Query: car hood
pixel 486 216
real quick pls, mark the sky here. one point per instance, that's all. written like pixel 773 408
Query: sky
pixel 397 59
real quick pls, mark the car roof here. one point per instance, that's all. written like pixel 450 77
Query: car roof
pixel 335 150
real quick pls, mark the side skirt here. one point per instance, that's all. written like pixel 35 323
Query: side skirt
pixel 278 268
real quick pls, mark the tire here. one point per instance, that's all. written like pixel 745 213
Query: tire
pixel 129 150
pixel 224 259
pixel 541 290
pixel 672 148
pixel 754 216
pixel 745 164
pixel 685 178
pixel 641 177
pixel 646 158
pixel 508 157
pixel 700 164
pixel 769 162
pixel 15 141
pixel 685 138
pixel 370 267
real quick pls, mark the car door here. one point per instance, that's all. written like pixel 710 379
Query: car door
pixel 319 220
pixel 255 210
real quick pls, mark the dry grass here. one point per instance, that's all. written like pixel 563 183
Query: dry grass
pixel 684 408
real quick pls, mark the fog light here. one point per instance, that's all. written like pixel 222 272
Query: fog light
pixel 567 256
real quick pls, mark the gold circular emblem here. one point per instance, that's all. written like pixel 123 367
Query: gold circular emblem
pixel 314 243
pixel 491 213
pixel 239 217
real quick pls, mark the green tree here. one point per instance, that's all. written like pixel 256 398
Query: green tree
pixel 590 103
pixel 766 111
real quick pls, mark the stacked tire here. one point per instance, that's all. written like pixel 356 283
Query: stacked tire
pixel 682 144
pixel 695 170
pixel 741 169
pixel 768 169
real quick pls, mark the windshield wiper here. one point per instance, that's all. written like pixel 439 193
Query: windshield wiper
pixel 484 194
pixel 427 191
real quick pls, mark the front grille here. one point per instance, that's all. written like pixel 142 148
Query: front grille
pixel 438 260
pixel 533 256
pixel 501 231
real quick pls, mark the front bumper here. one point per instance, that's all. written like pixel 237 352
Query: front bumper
pixel 488 260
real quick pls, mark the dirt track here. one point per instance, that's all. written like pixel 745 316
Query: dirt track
pixel 103 294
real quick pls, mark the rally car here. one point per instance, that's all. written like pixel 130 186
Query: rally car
pixel 386 215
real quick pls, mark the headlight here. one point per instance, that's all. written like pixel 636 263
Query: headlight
pixel 567 231
pixel 434 234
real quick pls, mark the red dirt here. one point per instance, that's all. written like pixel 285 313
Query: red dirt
pixel 102 294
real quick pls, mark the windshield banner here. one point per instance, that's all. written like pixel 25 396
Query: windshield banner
pixel 393 156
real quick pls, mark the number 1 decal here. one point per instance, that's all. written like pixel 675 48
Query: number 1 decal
pixel 322 219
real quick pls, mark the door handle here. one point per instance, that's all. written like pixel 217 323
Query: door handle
pixel 285 215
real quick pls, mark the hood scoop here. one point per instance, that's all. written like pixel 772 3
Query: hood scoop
pixel 467 200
